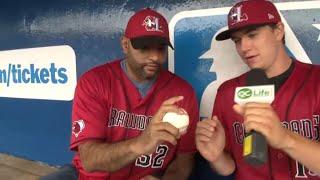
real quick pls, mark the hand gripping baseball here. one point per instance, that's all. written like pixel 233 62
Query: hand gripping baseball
pixel 158 131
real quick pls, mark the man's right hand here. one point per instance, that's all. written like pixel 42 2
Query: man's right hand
pixel 210 138
pixel 158 131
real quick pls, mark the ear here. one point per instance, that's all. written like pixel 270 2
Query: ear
pixel 279 31
pixel 124 44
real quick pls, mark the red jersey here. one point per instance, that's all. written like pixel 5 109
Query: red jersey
pixel 108 106
pixel 297 104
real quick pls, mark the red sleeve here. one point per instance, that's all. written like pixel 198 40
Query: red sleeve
pixel 218 108
pixel 89 110
pixel 187 141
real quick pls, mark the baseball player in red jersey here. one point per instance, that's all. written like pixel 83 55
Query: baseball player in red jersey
pixel 290 123
pixel 118 132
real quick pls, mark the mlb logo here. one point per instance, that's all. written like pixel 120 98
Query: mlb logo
pixel 205 63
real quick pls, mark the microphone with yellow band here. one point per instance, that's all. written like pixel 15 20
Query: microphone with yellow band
pixel 258 89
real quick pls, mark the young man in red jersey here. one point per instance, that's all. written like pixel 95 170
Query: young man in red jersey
pixel 118 132
pixel 290 123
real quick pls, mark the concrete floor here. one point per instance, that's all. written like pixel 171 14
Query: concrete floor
pixel 13 168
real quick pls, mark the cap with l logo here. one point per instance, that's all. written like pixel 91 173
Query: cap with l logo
pixel 147 26
pixel 250 12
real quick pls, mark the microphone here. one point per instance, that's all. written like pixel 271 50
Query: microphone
pixel 255 149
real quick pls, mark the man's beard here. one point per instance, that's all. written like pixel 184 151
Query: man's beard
pixel 147 76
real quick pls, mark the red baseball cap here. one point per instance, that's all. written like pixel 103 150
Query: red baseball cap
pixel 147 27
pixel 247 13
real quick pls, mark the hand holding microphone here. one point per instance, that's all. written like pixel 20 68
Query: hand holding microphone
pixel 254 105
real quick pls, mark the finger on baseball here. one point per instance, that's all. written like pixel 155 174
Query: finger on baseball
pixel 165 136
pixel 163 110
pixel 170 108
pixel 166 126
pixel 172 100
pixel 182 111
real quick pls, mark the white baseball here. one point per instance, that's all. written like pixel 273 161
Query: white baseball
pixel 180 121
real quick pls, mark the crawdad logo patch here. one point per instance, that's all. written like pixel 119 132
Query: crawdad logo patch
pixel 77 127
